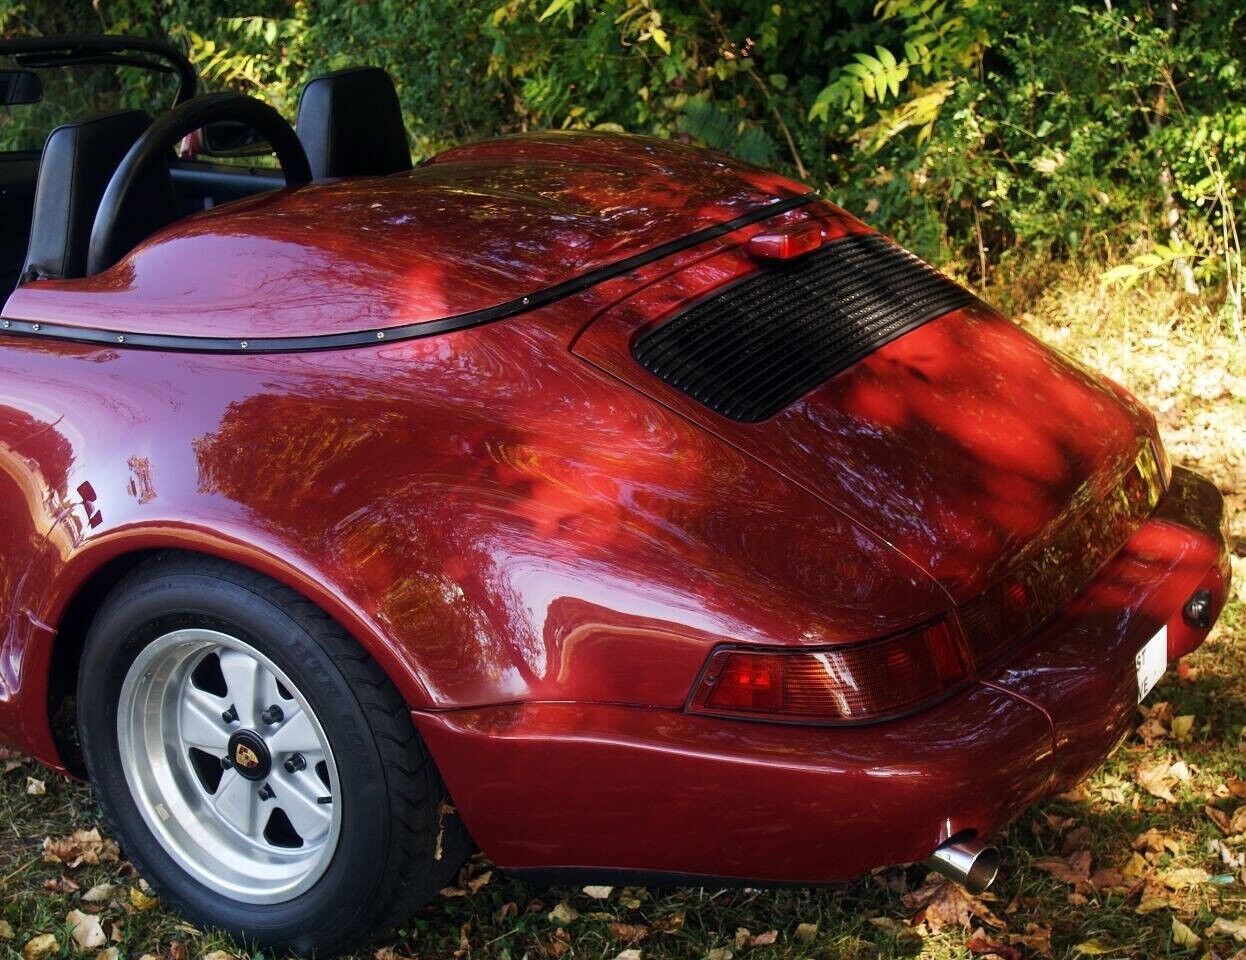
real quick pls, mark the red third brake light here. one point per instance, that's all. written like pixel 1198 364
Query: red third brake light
pixel 786 244
pixel 835 684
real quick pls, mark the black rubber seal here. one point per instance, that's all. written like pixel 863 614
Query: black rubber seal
pixel 410 331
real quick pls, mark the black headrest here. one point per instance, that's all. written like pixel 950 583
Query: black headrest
pixel 351 125
pixel 78 160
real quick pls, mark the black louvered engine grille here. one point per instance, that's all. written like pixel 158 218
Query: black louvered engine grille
pixel 750 350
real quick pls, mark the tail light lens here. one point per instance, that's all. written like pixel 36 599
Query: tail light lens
pixel 835 684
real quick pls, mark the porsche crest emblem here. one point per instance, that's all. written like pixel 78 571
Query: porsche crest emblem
pixel 245 757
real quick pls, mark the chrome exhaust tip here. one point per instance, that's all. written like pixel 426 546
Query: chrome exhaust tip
pixel 971 863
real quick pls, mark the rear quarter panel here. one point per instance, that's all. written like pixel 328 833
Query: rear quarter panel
pixel 493 519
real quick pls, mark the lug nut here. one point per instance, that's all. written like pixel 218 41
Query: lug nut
pixel 272 715
pixel 230 715
pixel 266 792
pixel 296 763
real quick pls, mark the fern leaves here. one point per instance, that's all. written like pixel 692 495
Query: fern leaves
pixel 938 44
pixel 718 130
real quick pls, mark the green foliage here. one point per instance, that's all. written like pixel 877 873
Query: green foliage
pixel 978 131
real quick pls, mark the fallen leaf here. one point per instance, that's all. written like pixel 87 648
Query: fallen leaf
pixel 1218 817
pixel 628 955
pixel 980 943
pixel 629 932
pixel 1152 841
pixel 1076 841
pixel 1230 858
pixel 81 846
pixel 1035 938
pixel 1183 728
pixel 1156 781
pixel 1074 869
pixel 1222 928
pixel 40 947
pixel 100 893
pixel 1134 867
pixel 220 955
pixel 111 953
pixel 141 901
pixel 1237 821
pixel 1184 877
pixel 671 923
pixel 85 930
pixel 564 913
pixel 477 882
pixel 742 937
pixel 1153 900
pixel 1183 936
pixel 36 788
pixel 599 893
pixel 806 932
pixel 453 892
pixel 557 944
pixel 1180 771
pixel 1237 787
pixel 719 953
pixel 764 939
pixel 1094 948
pixel 1151 730
pixel 940 903
pixel 1108 878
pixel 6 930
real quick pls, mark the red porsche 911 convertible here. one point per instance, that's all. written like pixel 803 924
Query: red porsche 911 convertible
pixel 618 508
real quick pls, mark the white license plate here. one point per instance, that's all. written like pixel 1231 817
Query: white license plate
pixel 1151 662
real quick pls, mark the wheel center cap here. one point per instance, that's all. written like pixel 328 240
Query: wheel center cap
pixel 249 755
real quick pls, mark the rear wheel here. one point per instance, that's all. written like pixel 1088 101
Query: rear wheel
pixel 259 768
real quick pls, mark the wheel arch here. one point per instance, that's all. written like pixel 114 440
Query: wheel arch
pixel 86 578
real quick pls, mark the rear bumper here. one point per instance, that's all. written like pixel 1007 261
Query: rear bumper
pixel 1081 668
pixel 616 789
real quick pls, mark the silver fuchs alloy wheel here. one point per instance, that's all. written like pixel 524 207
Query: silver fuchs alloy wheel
pixel 229 766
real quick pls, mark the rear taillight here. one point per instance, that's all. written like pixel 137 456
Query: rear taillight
pixel 833 684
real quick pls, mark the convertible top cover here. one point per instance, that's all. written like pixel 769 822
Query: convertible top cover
pixel 478 232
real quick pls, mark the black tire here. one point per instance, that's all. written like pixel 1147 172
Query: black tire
pixel 396 848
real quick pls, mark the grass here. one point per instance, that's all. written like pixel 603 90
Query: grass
pixel 1158 344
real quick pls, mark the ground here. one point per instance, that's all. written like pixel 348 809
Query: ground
pixel 1146 859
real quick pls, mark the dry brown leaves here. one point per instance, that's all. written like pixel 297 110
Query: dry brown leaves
pixel 555 944
pixel 1036 938
pixel 636 932
pixel 979 944
pixel 40 947
pixel 85 930
pixel 940 903
pixel 744 938
pixel 473 876
pixel 81 847
pixel 1161 778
